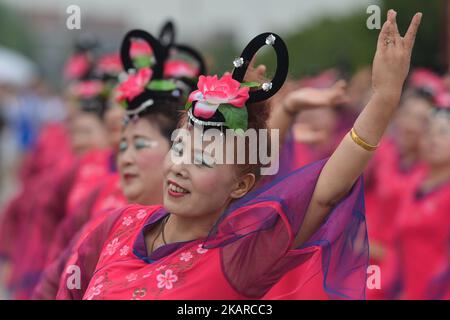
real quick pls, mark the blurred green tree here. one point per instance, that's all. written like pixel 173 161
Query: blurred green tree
pixel 347 43
pixel 13 31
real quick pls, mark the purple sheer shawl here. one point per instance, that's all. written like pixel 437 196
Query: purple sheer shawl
pixel 256 235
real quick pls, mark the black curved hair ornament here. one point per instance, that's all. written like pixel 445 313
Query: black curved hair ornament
pixel 241 65
pixel 86 43
pixel 167 34
pixel 193 54
pixel 96 104
pixel 145 99
pixel 159 53
pixel 167 38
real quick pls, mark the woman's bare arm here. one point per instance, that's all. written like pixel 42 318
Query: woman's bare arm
pixel 347 163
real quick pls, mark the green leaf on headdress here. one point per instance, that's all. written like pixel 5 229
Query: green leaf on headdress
pixel 142 61
pixel 106 91
pixel 188 105
pixel 123 104
pixel 161 85
pixel 235 118
pixel 250 84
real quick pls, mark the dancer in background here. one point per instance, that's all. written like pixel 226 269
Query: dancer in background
pixel 42 165
pixel 395 165
pixel 182 65
pixel 44 203
pixel 144 142
pixel 423 223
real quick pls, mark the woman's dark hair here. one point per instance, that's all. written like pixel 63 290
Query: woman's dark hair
pixel 258 115
pixel 417 94
pixel 165 115
pixel 97 106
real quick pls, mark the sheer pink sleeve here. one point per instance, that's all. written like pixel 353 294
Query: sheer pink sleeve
pixel 82 254
pixel 71 225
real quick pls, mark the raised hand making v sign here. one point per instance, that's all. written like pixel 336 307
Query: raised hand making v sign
pixel 390 68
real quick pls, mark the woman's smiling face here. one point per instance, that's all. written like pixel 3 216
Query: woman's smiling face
pixel 201 188
pixel 142 150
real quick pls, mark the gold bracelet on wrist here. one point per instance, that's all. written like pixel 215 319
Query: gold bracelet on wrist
pixel 357 139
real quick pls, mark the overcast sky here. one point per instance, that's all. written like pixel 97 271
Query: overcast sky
pixel 195 18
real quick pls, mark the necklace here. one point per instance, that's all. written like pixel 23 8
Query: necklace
pixel 160 233
pixel 164 228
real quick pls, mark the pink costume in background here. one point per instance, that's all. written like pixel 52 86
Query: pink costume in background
pixel 99 204
pixel 41 161
pixel 40 213
pixel 94 166
pixel 58 196
pixel 388 184
pixel 96 190
pixel 422 238
pixel 52 146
